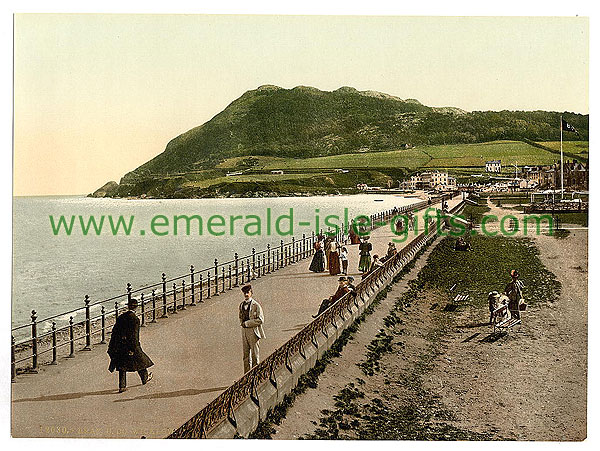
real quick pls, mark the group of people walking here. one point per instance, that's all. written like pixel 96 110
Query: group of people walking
pixel 331 255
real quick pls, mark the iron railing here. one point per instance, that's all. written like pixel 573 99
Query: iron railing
pixel 163 298
pixel 223 406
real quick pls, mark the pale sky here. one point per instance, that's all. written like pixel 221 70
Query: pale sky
pixel 95 96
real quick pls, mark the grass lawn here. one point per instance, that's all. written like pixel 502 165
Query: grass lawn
pixel 576 147
pixel 508 152
pixel 463 157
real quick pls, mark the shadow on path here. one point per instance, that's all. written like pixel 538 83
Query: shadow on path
pixel 473 325
pixel 297 327
pixel 67 396
pixel 174 394
pixel 493 337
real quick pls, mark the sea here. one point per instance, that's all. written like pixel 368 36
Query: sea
pixel 52 272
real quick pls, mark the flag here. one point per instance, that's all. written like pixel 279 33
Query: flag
pixel 567 127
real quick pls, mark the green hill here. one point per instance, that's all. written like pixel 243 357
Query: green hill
pixel 274 123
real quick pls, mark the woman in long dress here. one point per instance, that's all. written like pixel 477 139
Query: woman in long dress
pixel 365 248
pixel 334 259
pixel 354 238
pixel 318 262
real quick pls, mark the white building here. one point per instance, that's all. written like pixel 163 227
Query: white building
pixel 493 166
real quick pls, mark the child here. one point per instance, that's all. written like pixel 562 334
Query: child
pixel 344 259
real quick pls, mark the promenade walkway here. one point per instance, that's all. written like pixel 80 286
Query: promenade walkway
pixel 197 354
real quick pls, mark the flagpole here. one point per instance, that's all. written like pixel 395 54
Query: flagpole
pixel 562 189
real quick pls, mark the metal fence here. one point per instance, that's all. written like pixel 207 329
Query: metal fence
pixel 159 300
pixel 223 407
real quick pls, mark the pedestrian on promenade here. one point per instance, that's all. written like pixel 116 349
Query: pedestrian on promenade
pixel 318 261
pixel 251 320
pixel 354 238
pixel 365 248
pixel 125 350
pixel 334 258
pixel 399 225
pixel 514 291
pixel 327 250
pixel 344 260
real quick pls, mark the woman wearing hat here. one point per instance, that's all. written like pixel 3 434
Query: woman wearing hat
pixel 318 262
pixel 333 260
pixel 365 248
pixel 514 291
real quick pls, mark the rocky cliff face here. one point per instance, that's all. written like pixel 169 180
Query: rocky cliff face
pixel 105 190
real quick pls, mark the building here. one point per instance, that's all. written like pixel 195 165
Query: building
pixel 440 181
pixel 493 166
pixel 575 175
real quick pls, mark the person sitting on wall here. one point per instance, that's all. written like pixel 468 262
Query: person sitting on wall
pixel 391 249
pixel 377 263
pixel 341 291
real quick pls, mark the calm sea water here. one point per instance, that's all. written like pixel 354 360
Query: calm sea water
pixel 52 274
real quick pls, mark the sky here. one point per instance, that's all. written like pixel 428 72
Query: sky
pixel 95 96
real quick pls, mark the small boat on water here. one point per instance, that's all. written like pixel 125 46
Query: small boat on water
pixel 378 200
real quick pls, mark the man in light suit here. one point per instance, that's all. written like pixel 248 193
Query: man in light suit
pixel 251 320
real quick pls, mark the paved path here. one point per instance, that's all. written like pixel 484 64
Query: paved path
pixel 197 354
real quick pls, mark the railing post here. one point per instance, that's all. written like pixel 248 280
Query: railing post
pixel 304 245
pixel 201 287
pixel 257 269
pixel 248 276
pixel 208 285
pixel 153 305
pixel 34 343
pixel 293 250
pixel 312 243
pixel 253 263
pixel 192 285
pixel 164 295
pixel 237 267
pixel 222 279
pixel 281 247
pixel 229 268
pixel 183 295
pixel 276 262
pixel 103 324
pixel 116 310
pixel 174 298
pixel 13 368
pixel 88 325
pixel 216 277
pixel 71 337
pixel 53 344
pixel 143 301
pixel 268 258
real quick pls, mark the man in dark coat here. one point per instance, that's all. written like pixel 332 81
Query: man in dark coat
pixel 124 348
